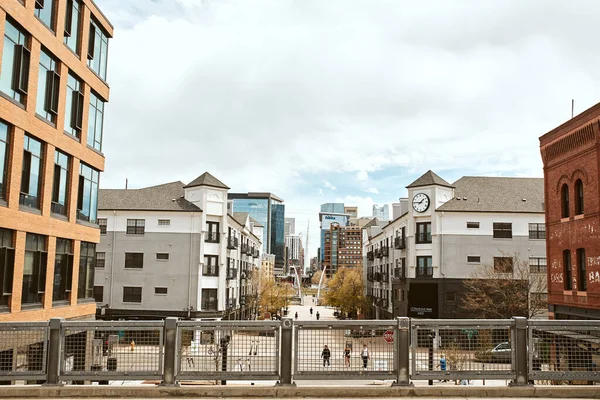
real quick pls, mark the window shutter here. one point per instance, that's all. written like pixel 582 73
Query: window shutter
pixel 8 257
pixel 80 193
pixel 56 183
pixel 26 172
pixel 21 69
pixel 39 4
pixel 69 18
pixel 77 110
pixel 91 42
pixel 41 278
pixel 52 85
pixel 69 273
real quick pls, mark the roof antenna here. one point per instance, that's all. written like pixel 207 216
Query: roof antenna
pixel 572 107
pixel 126 183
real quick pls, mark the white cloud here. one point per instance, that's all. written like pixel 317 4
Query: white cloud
pixel 321 192
pixel 362 175
pixel 329 185
pixel 372 190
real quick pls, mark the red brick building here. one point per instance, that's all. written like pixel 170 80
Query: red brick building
pixel 571 159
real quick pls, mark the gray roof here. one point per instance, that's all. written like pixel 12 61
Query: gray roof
pixel 166 197
pixel 429 178
pixel 207 179
pixel 496 194
pixel 241 217
pixel 256 223
pixel 373 222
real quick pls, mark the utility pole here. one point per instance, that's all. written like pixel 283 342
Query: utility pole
pixel 306 247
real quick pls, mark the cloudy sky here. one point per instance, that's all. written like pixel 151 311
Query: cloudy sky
pixel 322 100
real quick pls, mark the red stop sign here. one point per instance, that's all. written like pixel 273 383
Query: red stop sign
pixel 388 336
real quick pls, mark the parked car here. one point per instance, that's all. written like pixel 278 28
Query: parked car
pixel 501 353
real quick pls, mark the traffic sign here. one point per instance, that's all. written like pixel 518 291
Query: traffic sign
pixel 388 336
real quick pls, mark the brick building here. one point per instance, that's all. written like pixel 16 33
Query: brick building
pixel 571 185
pixel 52 94
pixel 342 248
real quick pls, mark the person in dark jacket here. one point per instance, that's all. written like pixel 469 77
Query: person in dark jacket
pixel 326 355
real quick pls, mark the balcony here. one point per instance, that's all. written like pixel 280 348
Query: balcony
pixel 212 237
pixel 384 303
pixel 232 242
pixel 399 273
pixel 255 253
pixel 231 274
pixel 377 277
pixel 379 253
pixel 370 256
pixel 370 277
pixel 385 251
pixel 424 272
pixel 242 301
pixel 383 277
pixel 400 243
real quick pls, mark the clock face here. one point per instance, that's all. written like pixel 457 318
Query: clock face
pixel 420 202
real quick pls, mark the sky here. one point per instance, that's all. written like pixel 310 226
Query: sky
pixel 340 100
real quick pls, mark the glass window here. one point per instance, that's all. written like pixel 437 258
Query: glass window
pixel 48 86
pixel 31 173
pixel 212 232
pixel 136 226
pixel 565 201
pixel 424 266
pixel 102 224
pixel 72 19
pixel 100 259
pixel 44 10
pixel 7 265
pixel 99 294
pixel 581 270
pixel 87 197
pixel 473 259
pixel 97 49
pixel 568 270
pixel 209 300
pixel 95 122
pixel 85 287
pixel 502 230
pixel 164 222
pixel 423 232
pixel 160 290
pixel 63 270
pixel 3 159
pixel 14 76
pixel 537 265
pixel 74 106
pixel 537 231
pixel 473 225
pixel 578 197
pixel 211 266
pixel 132 294
pixel 162 256
pixel 503 265
pixel 134 260
pixel 34 269
pixel 61 182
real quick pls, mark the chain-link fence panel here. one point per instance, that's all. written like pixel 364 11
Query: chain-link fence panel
pixel 23 352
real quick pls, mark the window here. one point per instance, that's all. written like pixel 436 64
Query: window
pixel 450 297
pixel 423 232
pixel 132 294
pixel 3 160
pixel 474 259
pixel 97 50
pixel 211 266
pixel 87 197
pixel 136 226
pixel 134 260
pixel 34 269
pixel 424 266
pixel 31 173
pixel 502 230
pixel 48 87
pixel 162 256
pixel 164 222
pixel 44 10
pixel 564 195
pixel 85 286
pixel 209 300
pixel 537 265
pixel 503 265
pixel 473 225
pixel 72 18
pixel 63 270
pixel 14 76
pixel 578 197
pixel 212 233
pixel 7 265
pixel 99 294
pixel 160 290
pixel 568 270
pixel 95 122
pixel 61 183
pixel 102 224
pixel 74 106
pixel 581 270
pixel 537 231
pixel 100 259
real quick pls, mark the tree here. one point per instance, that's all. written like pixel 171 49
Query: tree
pixel 509 288
pixel 317 278
pixel 274 296
pixel 346 290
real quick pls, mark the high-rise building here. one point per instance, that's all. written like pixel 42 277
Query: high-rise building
pixel 269 211
pixel 52 95
pixel 290 226
pixel 331 213
pixel 337 208
pixel 351 211
pixel 343 248
pixel 295 249
pixel 381 213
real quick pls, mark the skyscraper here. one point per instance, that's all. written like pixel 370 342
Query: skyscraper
pixel 269 211
pixel 331 213
pixel 382 213
pixel 290 226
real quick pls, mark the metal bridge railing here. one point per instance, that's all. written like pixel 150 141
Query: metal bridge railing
pixel 23 349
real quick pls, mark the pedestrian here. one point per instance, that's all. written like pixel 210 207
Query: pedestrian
pixel 248 364
pixel 366 355
pixel 326 354
pixel 442 365
pixel 240 365
pixel 311 311
pixel 318 315
pixel 296 316
pixel 347 352
pixel 190 354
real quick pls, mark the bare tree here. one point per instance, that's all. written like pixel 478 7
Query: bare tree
pixel 509 288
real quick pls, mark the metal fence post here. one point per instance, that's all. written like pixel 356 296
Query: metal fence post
pixel 401 353
pixel 520 349
pixel 54 351
pixel 170 354
pixel 287 329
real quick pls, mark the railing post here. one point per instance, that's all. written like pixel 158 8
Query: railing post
pixel 287 329
pixel 402 353
pixel 520 348
pixel 170 354
pixel 53 352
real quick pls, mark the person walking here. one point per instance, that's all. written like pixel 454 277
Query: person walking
pixel 318 315
pixel 296 316
pixel 442 364
pixel 325 355
pixel 311 310
pixel 366 355
pixel 347 352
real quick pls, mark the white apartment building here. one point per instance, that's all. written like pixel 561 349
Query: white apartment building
pixel 416 265
pixel 174 250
